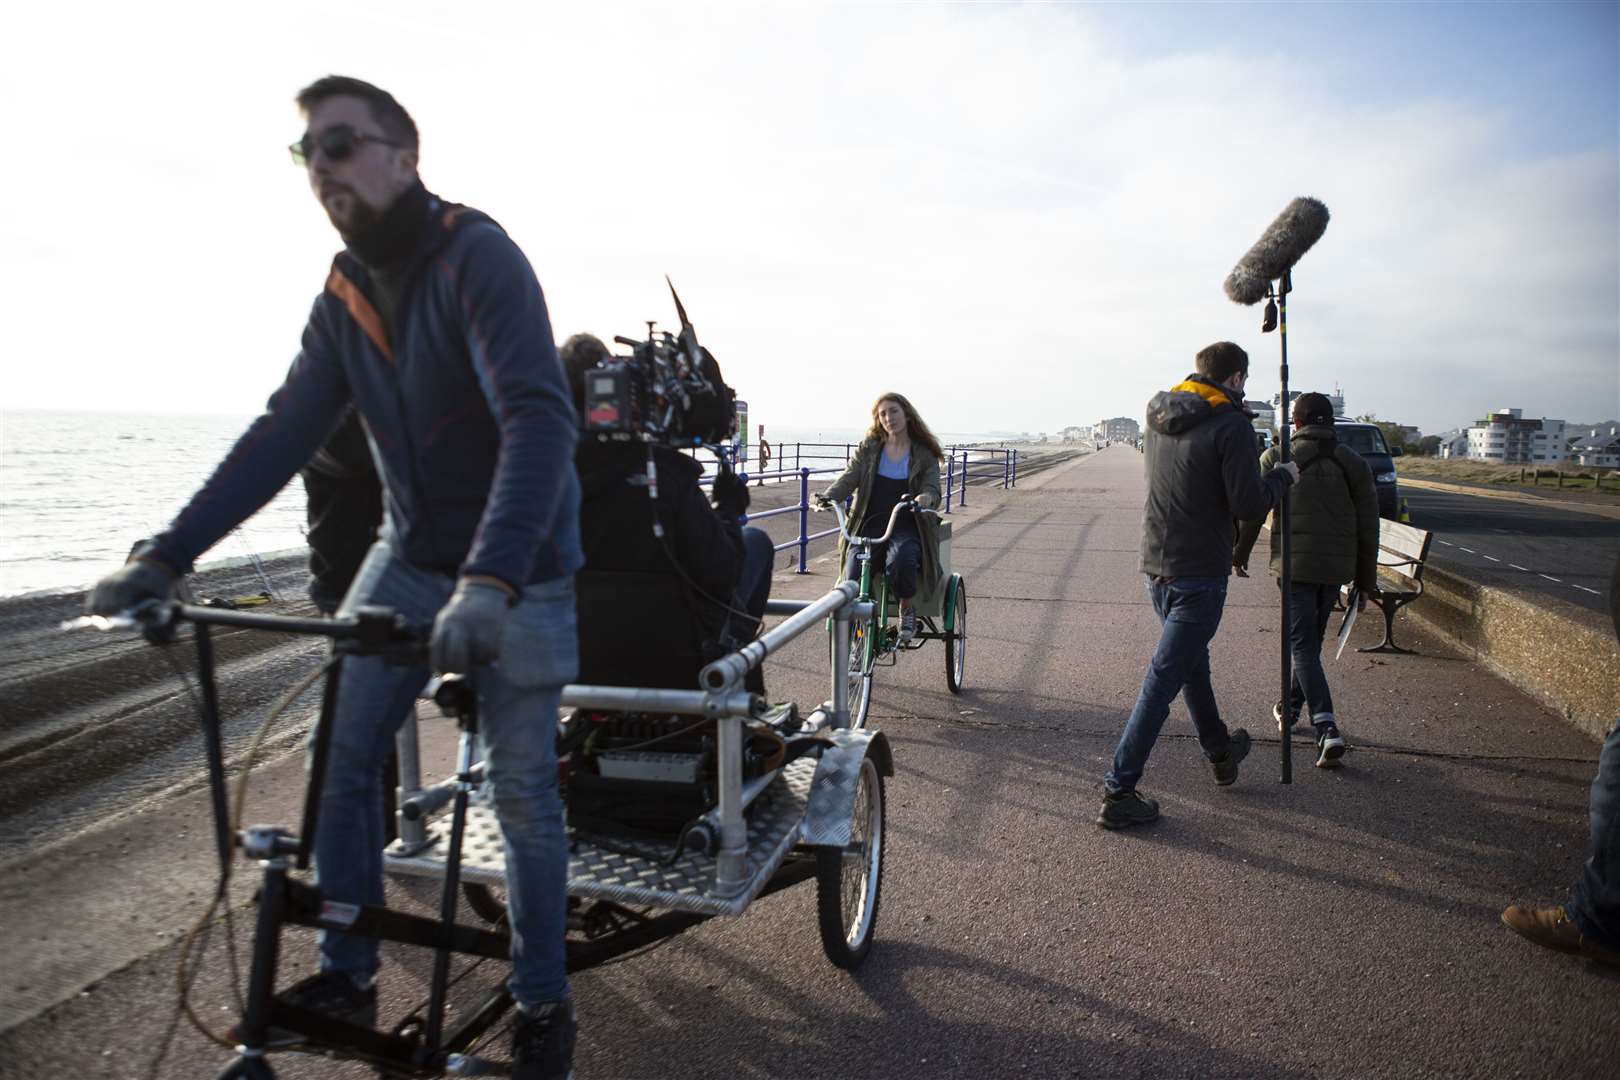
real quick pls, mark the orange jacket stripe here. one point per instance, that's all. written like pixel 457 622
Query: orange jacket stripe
pixel 359 307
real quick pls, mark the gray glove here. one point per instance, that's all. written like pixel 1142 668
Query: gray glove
pixel 467 630
pixel 138 580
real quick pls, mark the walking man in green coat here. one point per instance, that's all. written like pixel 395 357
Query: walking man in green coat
pixel 1334 521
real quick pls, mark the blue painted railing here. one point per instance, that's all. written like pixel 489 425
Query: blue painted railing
pixel 963 465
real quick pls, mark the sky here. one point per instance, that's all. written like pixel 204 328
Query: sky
pixel 1018 215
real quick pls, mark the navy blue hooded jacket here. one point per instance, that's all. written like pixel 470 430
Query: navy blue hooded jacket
pixel 464 402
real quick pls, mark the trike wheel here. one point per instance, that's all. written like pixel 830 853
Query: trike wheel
pixel 849 880
pixel 956 636
pixel 858 672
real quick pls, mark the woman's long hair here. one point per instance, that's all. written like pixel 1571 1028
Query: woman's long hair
pixel 915 427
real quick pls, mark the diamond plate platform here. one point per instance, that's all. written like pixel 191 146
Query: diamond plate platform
pixel 633 880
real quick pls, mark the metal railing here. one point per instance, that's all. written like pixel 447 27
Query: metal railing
pixel 964 465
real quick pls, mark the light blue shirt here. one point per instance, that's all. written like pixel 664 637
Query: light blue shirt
pixel 894 470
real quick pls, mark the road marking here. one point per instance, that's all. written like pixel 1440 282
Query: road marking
pixel 1448 543
pixel 1493 558
pixel 1469 550
pixel 1583 588
pixel 1549 577
pixel 1516 566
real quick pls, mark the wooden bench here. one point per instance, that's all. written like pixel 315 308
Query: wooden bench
pixel 1402 551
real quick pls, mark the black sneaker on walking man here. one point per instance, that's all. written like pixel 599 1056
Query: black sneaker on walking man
pixel 1334 520
pixel 1202 475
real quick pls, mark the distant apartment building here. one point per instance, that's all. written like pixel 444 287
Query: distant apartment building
pixel 1119 429
pixel 1076 433
pixel 1337 398
pixel 1599 450
pixel 1453 444
pixel 1508 437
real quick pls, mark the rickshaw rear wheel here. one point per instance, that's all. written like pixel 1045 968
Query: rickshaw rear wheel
pixel 849 880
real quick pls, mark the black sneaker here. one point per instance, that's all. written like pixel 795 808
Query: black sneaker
pixel 543 1041
pixel 1124 808
pixel 1226 766
pixel 329 993
pixel 1329 746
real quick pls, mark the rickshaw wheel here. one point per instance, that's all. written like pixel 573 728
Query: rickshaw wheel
pixel 849 880
pixel 956 635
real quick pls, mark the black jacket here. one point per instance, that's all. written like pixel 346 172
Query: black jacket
pixel 1333 514
pixel 651 609
pixel 344 510
pixel 1203 475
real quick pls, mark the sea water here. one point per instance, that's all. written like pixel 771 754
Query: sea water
pixel 77 490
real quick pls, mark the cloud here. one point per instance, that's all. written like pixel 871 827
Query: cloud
pixel 999 211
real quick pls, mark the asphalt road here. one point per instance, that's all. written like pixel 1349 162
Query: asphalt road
pixel 1528 545
pixel 1341 926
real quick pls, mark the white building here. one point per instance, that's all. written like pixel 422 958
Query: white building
pixel 1337 398
pixel 1599 450
pixel 1453 444
pixel 1508 438
pixel 1119 429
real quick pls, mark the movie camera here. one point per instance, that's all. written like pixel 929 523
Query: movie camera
pixel 668 390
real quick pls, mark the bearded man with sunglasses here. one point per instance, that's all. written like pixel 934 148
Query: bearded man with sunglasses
pixel 433 326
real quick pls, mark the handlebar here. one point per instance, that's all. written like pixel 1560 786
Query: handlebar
pixel 372 631
pixel 907 503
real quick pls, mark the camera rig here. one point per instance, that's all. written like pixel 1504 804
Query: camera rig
pixel 668 390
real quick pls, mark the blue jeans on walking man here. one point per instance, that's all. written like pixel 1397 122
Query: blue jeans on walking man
pixel 517 718
pixel 1595 907
pixel 1189 611
pixel 1310 611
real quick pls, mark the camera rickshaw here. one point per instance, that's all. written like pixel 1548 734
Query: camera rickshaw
pixel 813 812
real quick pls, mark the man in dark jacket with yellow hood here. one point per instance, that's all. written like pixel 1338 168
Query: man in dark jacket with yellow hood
pixel 1203 474
pixel 1334 525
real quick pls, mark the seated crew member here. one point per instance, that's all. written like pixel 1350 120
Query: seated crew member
pixel 343 511
pixel 898 457
pixel 726 567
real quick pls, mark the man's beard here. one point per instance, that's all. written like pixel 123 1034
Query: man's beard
pixel 361 216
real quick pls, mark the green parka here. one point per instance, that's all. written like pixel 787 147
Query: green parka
pixel 1333 512
pixel 922 480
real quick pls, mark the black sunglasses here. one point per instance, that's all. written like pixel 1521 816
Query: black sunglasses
pixel 337 142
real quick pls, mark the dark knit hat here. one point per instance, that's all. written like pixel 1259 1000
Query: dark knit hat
pixel 1312 409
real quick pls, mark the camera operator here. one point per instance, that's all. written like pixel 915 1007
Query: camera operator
pixel 726 566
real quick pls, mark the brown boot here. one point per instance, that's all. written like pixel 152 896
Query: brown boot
pixel 1552 929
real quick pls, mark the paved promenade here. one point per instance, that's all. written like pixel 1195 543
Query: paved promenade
pixel 1342 926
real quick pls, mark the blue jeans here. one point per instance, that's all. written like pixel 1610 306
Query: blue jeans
pixel 1595 908
pixel 753 583
pixel 901 559
pixel 1189 612
pixel 517 718
pixel 1310 610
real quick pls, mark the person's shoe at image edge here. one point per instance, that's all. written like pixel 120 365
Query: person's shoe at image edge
pixel 1226 766
pixel 1125 808
pixel 1551 928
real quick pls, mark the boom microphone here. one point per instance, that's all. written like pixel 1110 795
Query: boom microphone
pixel 1279 248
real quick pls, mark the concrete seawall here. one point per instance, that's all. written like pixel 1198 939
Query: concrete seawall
pixel 1561 655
